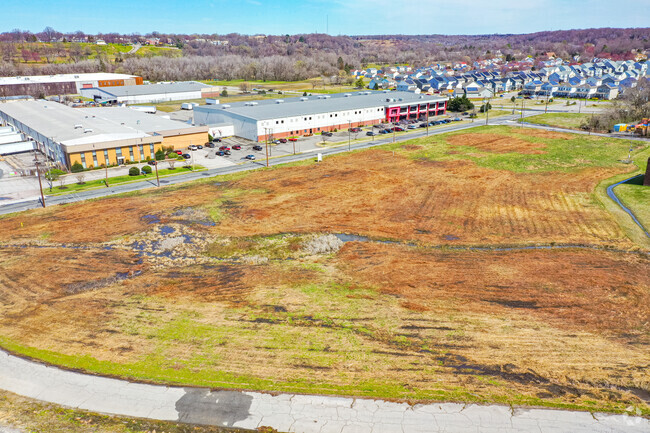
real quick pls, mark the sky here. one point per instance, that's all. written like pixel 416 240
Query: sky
pixel 335 17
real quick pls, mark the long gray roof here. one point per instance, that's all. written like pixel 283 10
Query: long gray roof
pixel 82 125
pixel 155 89
pixel 315 104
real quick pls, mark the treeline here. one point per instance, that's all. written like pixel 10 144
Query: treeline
pixel 297 57
pixel 228 67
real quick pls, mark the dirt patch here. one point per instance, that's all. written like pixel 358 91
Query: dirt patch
pixel 496 143
pixel 226 283
pixel 587 290
pixel 542 133
pixel 411 147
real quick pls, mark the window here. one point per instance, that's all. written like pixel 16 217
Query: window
pixel 95 159
pixel 276 122
pixel 106 156
pixel 118 151
pixel 131 153
pixel 283 121
pixel 151 149
pixel 141 151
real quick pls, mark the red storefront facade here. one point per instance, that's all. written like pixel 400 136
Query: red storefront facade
pixel 415 111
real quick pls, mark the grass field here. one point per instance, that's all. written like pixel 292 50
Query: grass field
pixel 234 281
pixel 560 120
pixel 66 52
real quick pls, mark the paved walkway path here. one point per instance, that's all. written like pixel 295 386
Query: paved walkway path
pixel 289 412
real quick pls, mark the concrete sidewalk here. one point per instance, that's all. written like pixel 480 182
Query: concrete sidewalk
pixel 289 412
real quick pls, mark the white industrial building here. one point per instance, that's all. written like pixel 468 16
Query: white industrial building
pixel 63 84
pixel 151 93
pixel 259 120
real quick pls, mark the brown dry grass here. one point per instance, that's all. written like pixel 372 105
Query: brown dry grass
pixel 591 291
pixel 496 143
pixel 97 221
pixel 383 320
pixel 379 195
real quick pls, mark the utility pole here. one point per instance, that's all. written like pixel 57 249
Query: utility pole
pixel 40 184
pixel 155 164
pixel 266 132
pixel 428 108
pixel 487 111
pixel 523 102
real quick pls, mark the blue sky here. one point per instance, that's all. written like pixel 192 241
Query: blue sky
pixel 350 17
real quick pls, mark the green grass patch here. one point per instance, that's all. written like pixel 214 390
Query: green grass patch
pixel 567 154
pixel 559 120
pixel 118 180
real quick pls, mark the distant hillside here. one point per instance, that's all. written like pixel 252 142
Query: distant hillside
pixel 295 57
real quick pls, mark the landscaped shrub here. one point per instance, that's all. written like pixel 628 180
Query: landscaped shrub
pixel 134 171
pixel 146 170
pixel 77 167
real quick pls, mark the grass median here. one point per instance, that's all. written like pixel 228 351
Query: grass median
pixel 120 180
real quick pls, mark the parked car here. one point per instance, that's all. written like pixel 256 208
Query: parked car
pixel 210 145
pixel 384 131
pixel 179 152
pixel 251 157
pixel 355 129
pixel 236 147
pixel 398 128
pixel 371 133
pixel 187 156
pixel 227 152
pixel 411 126
pixel 216 140
pixel 276 141
pixel 388 130
pixel 257 147
pixel 221 153
pixel 224 148
pixel 466 114
pixel 423 125
pixel 293 139
pixel 199 146
pixel 152 162
pixel 283 140
pixel 326 134
pixel 457 119
pixel 193 147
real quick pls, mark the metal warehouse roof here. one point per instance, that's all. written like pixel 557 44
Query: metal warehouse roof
pixel 155 89
pixel 316 104
pixel 63 78
pixel 73 126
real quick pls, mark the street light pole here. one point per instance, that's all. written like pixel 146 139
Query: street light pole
pixel 523 102
pixel 156 166
pixel 349 128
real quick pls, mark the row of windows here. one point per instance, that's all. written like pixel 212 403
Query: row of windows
pixel 323 116
pixel 118 153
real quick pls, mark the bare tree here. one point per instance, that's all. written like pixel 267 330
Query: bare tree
pixel 80 178
pixel 171 163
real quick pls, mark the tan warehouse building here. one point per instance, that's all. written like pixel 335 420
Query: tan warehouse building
pixel 95 136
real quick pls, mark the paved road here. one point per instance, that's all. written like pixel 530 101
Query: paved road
pixel 290 412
